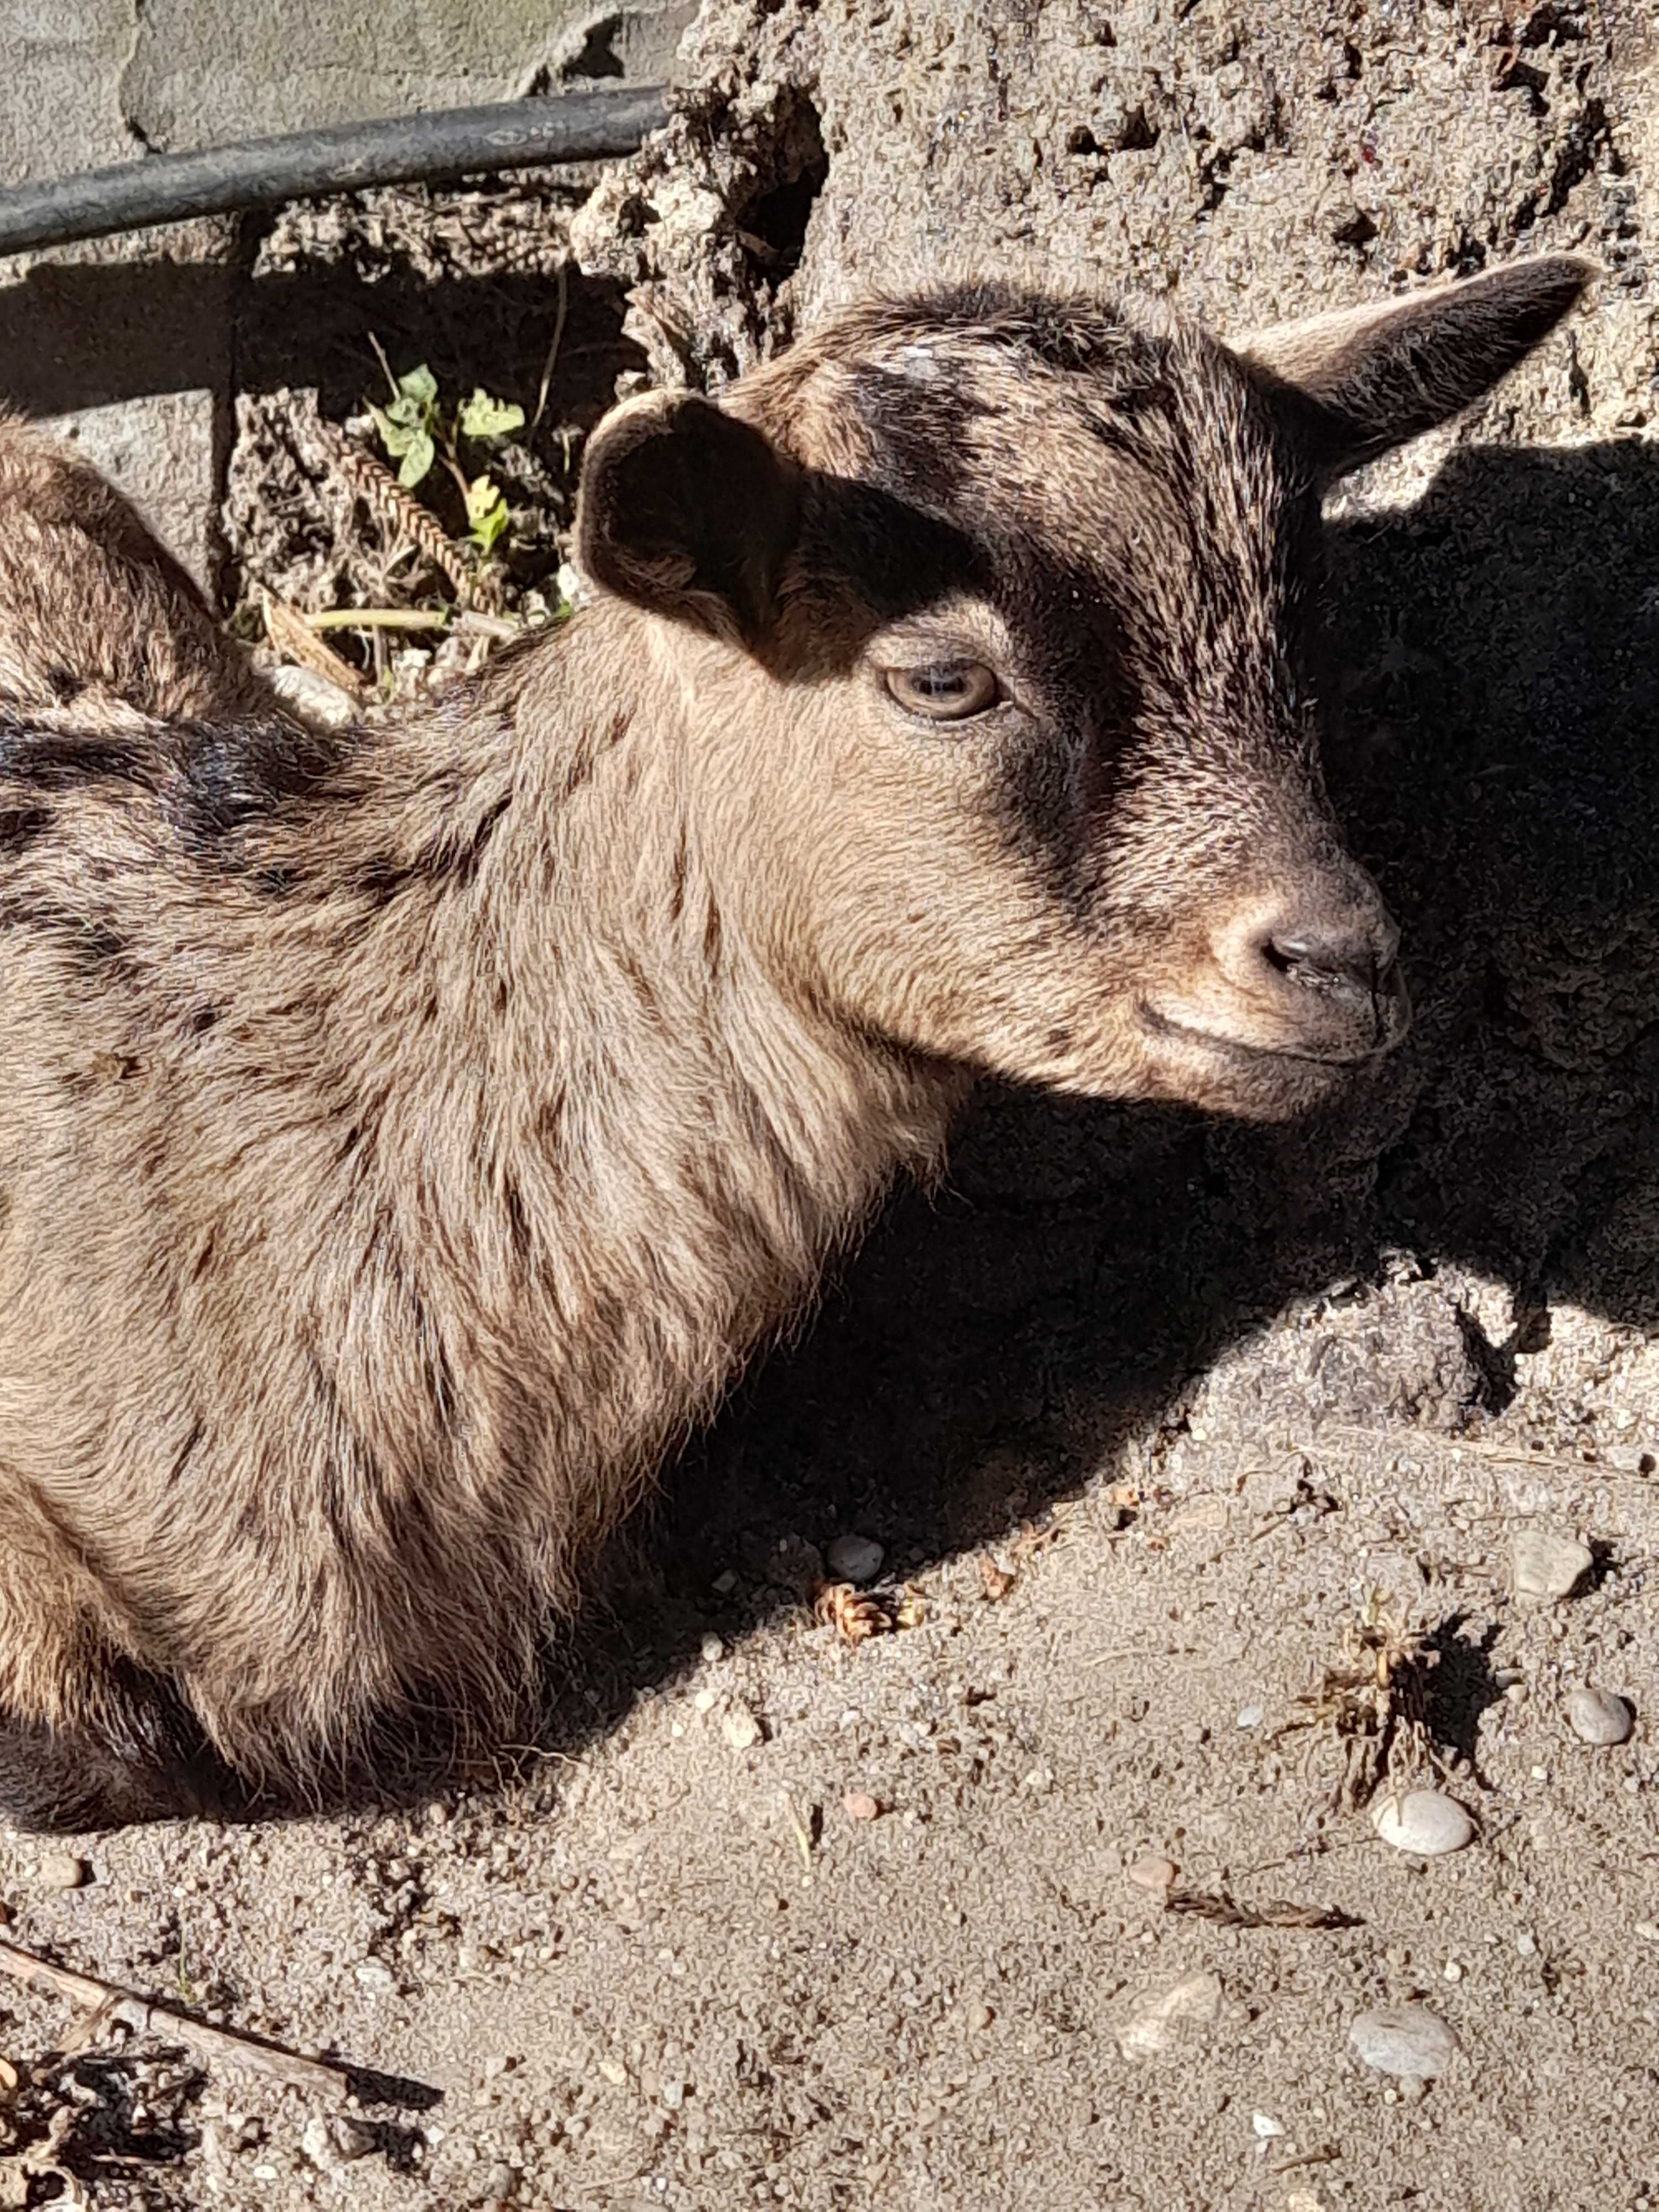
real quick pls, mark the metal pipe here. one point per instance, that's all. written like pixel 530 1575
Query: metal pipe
pixel 347 157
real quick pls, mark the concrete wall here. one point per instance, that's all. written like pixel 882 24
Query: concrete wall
pixel 139 372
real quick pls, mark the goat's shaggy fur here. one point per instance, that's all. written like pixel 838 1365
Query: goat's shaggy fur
pixel 408 1133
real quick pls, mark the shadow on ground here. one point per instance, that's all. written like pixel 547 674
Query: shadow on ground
pixel 1494 681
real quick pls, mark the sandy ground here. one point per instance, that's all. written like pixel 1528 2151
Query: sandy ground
pixel 1194 1391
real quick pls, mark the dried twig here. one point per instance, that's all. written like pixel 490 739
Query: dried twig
pixel 1227 1913
pixel 562 274
pixel 378 618
pixel 291 634
pixel 110 2004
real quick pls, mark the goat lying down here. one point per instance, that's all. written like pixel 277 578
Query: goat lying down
pixel 407 1133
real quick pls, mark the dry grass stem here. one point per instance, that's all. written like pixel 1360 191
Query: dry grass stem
pixel 107 2005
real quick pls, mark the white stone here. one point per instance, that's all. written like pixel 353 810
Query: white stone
pixel 1266 2126
pixel 63 1870
pixel 712 1649
pixel 1407 2041
pixel 1160 2017
pixel 374 1976
pixel 854 1559
pixel 1599 1716
pixel 1545 1568
pixel 316 699
pixel 317 2142
pixel 1423 1822
pixel 740 1729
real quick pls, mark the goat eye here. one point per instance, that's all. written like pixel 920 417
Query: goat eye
pixel 944 690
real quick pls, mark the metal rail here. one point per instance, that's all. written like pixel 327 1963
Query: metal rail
pixel 263 173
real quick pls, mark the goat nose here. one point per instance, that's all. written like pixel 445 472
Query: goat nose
pixel 1350 952
pixel 1353 952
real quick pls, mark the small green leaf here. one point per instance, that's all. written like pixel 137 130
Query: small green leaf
pixel 484 417
pixel 420 385
pixel 486 510
pixel 418 457
pixel 395 436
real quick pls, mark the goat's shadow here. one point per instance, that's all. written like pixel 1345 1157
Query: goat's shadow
pixel 1493 681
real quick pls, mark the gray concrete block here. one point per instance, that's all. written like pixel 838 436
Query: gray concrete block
pixel 202 73
pixel 162 450
pixel 61 65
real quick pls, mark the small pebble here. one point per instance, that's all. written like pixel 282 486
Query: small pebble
pixel 1527 1946
pixel 859 1804
pixel 1154 1874
pixel 854 1559
pixel 1598 1716
pixel 314 698
pixel 1159 2018
pixel 613 2071
pixel 1544 1568
pixel 712 1649
pixel 724 1584
pixel 740 1729
pixel 979 2016
pixel 673 2095
pixel 1407 2041
pixel 1453 1971
pixel 1250 1717
pixel 318 2143
pixel 1266 2126
pixel 497 2186
pixel 375 1976
pixel 704 1701
pixel 63 1870
pixel 1423 1822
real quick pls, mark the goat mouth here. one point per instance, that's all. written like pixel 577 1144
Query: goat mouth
pixel 1239 1053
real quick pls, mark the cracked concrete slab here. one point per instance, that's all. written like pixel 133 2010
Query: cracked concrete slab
pixel 202 73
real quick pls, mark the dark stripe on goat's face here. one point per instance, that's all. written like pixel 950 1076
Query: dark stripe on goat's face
pixel 1124 501
pixel 864 546
pixel 915 429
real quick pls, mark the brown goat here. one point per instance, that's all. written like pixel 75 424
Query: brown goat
pixel 408 1134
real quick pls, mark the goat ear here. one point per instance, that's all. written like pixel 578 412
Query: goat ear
pixel 688 511
pixel 1359 382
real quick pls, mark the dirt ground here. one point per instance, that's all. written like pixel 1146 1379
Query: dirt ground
pixel 1142 1407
